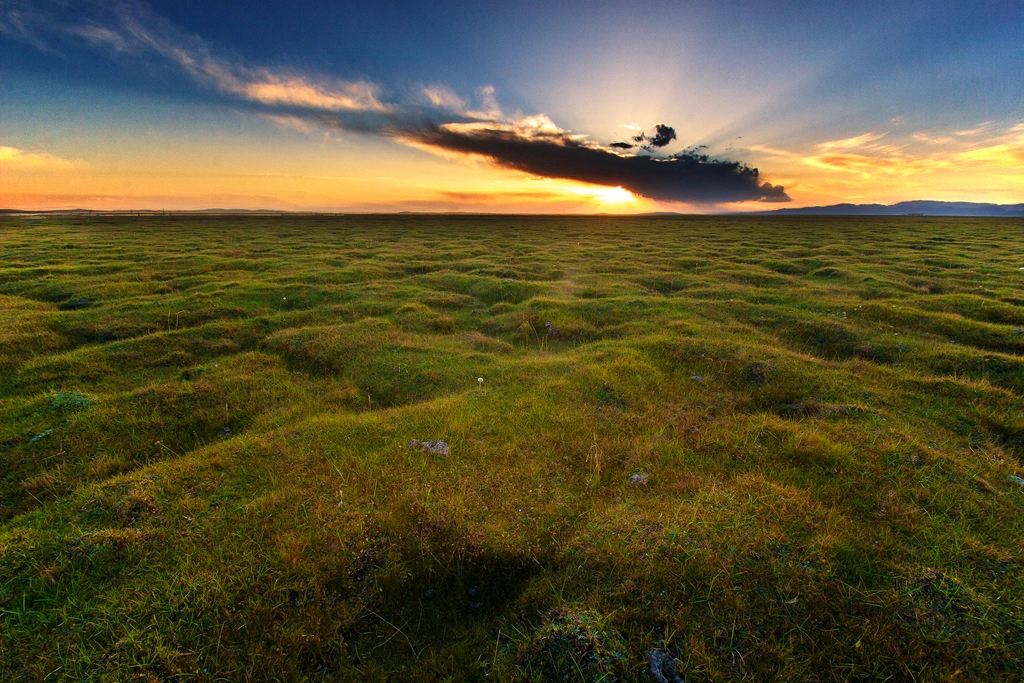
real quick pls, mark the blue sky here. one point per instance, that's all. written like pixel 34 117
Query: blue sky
pixel 327 105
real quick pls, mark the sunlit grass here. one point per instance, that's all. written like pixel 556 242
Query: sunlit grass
pixel 207 474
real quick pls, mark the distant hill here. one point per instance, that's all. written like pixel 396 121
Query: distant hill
pixel 925 207
pixel 917 207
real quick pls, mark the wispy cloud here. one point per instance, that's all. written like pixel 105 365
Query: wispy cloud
pixel 441 97
pixel 295 91
pixel 21 21
pixel 132 28
pixel 437 119
pixel 922 136
pixel 877 155
pixel 873 166
pixel 851 143
pixel 13 158
pixel 1005 150
pixel 291 122
pixel 102 36
pixel 977 130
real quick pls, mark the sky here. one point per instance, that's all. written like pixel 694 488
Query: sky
pixel 508 107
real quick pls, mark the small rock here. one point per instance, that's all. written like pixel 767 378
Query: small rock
pixel 41 435
pixel 228 431
pixel 474 596
pixel 430 593
pixel 663 666
pixel 638 478
pixel 436 447
pixel 697 378
pixel 1016 480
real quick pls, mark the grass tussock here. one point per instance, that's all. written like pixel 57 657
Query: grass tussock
pixel 715 449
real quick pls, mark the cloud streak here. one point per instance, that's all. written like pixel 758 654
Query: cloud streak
pixel 866 156
pixel 439 120
pixel 14 158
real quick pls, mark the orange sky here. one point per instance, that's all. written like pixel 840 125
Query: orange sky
pixel 308 170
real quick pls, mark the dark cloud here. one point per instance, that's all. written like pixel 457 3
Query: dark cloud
pixel 685 177
pixel 662 135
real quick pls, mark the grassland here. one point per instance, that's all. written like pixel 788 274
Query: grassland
pixel 206 472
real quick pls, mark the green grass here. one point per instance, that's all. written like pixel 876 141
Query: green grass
pixel 204 429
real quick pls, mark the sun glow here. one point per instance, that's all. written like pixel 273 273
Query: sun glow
pixel 615 195
pixel 606 195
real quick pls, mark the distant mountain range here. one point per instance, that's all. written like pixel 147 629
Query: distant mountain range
pixel 918 207
pixel 912 208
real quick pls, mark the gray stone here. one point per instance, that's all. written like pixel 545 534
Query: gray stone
pixel 638 478
pixel 663 666
pixel 436 447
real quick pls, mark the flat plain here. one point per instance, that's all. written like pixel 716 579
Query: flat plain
pixel 745 448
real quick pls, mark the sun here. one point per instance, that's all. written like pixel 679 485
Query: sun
pixel 614 195
pixel 605 195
